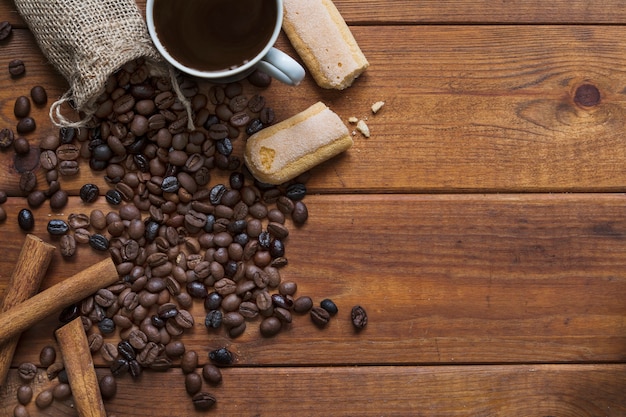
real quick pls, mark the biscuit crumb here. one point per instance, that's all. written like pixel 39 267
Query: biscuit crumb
pixel 353 120
pixel 377 106
pixel 363 128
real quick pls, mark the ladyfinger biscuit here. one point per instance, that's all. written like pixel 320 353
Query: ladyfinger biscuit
pixel 324 42
pixel 287 149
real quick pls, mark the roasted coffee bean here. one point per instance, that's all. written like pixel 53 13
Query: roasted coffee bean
pixel 260 79
pixel 67 135
pixel 53 370
pixel 203 401
pixel 296 191
pixel 267 116
pixel 5 30
pixel 98 242
pixel 359 317
pixel 170 184
pixel 57 227
pixel 69 313
pixel 68 168
pixel 277 248
pixel 6 138
pixel 95 341
pixel 193 383
pixel 26 220
pixel 221 356
pixel 189 362
pixel 89 193
pixel 302 304
pixel 224 146
pixel 175 349
pixel 212 374
pixel 81 236
pixel 270 326
pixel 47 356
pixel 58 200
pixel 285 205
pixel 48 160
pixel 27 371
pixel 319 316
pixel 24 394
pixel 126 350
pixel 330 306
pixel 44 399
pixel 108 387
pixel 78 221
pixel 28 181
pixel 219 131
pixel 62 392
pixel 213 319
pixel 106 326
pixel 36 198
pixel 17 68
pixel 26 125
pixel 113 197
pixel 68 152
pixel 119 367
pixel 21 108
pixel 20 411
pixel 254 126
pixel 21 146
pixel 300 213
pixel 39 95
pixel 239 119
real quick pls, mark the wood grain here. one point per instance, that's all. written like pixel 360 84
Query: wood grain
pixel 468 108
pixel 481 226
pixel 520 390
pixel 449 278
pixel 387 12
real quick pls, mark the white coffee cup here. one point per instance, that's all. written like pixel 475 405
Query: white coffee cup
pixel 269 60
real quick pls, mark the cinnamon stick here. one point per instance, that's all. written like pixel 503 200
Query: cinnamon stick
pixel 26 278
pixel 63 294
pixel 81 373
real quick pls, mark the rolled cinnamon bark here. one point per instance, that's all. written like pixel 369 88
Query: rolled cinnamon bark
pixel 61 295
pixel 29 271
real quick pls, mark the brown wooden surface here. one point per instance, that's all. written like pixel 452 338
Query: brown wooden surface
pixel 481 226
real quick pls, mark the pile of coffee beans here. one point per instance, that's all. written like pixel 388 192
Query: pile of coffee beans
pixel 175 237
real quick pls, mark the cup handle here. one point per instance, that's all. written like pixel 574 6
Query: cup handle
pixel 281 66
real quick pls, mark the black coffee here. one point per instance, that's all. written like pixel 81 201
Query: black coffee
pixel 214 35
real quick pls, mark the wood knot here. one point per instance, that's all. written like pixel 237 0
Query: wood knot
pixel 587 95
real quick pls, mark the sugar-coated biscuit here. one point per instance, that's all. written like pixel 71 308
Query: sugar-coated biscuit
pixel 324 41
pixel 285 150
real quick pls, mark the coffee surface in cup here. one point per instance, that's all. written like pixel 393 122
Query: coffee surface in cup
pixel 214 35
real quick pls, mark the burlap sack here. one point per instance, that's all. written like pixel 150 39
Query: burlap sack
pixel 86 41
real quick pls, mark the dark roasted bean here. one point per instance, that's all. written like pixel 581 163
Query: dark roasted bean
pixel 27 371
pixel 5 30
pixel 203 401
pixel 39 95
pixel 330 306
pixel 26 125
pixel 213 319
pixel 26 220
pixel 21 108
pixel 108 387
pixel 57 227
pixel 296 191
pixel 319 316
pixel 359 317
pixel 17 68
pixel 98 242
pixel 6 138
pixel 221 356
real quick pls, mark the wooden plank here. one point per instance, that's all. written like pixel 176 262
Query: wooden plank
pixel 478 108
pixel 445 279
pixel 538 390
pixel 466 11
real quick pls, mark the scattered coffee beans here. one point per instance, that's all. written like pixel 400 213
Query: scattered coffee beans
pixel 26 220
pixel 5 30
pixel 17 68
pixel 39 95
pixel 359 317
pixel 24 394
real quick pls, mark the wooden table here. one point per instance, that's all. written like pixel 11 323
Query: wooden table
pixel 482 225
